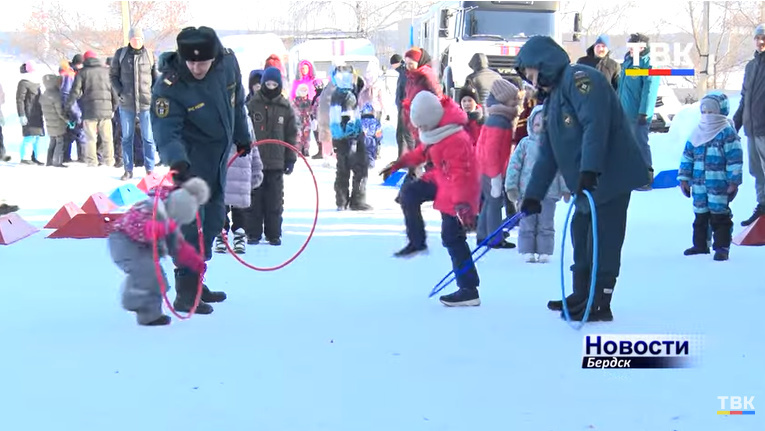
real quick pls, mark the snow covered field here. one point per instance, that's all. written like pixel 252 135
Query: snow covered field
pixel 346 338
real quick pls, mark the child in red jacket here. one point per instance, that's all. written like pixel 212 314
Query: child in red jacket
pixel 453 182
pixel 504 105
pixel 468 98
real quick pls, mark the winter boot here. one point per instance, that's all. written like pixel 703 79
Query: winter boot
pixel 759 210
pixel 530 258
pixel 220 245
pixel 581 287
pixel 722 225
pixel 501 244
pixel 186 291
pixel 251 240
pixel 700 235
pixel 601 305
pixel 359 195
pixel 543 258
pixel 239 241
pixel 211 295
pixel 161 321
pixel 462 298
pixel 7 209
pixel 126 176
pixel 411 250
pixel 275 241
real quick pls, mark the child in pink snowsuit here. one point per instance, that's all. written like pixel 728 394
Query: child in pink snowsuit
pixel 131 246
pixel 302 105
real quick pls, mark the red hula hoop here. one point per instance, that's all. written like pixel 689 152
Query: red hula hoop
pixel 158 268
pixel 315 214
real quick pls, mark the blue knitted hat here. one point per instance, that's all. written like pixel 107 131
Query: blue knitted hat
pixel 272 74
pixel 604 39
pixel 715 102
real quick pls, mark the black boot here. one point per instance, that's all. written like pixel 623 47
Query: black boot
pixel 186 284
pixel 320 154
pixel 700 235
pixel 601 304
pixel 722 230
pixel 211 295
pixel 759 210
pixel 411 250
pixel 7 209
pixel 581 288
pixel 359 195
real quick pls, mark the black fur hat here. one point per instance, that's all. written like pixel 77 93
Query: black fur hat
pixel 197 44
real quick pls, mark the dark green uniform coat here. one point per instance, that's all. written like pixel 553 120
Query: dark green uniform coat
pixel 197 121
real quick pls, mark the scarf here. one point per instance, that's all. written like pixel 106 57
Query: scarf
pixel 437 135
pixel 709 126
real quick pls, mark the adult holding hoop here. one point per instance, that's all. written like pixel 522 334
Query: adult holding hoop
pixel 197 114
pixel 588 139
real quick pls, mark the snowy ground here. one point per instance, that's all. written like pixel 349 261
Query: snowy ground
pixel 346 338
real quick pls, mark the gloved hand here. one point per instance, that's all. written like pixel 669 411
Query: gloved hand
pixel 496 186
pixel 732 192
pixel 531 206
pixel 181 172
pixel 514 195
pixel 71 125
pixel 156 229
pixel 388 170
pixel 466 216
pixel 642 120
pixel 23 120
pixel 188 257
pixel 243 149
pixel 288 167
pixel 587 181
pixel 566 197
pixel 685 188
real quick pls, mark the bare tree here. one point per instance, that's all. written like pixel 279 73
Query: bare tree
pixel 363 18
pixel 54 31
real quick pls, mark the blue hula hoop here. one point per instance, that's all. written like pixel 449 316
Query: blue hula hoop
pixel 593 272
pixel 508 225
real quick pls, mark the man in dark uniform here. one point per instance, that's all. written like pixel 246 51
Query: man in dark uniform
pixel 197 114
pixel 587 138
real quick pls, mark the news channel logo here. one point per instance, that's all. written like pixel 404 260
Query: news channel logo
pixel 736 405
pixel 641 351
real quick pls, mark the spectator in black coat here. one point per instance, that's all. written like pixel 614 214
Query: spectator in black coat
pixel 404 137
pixel 598 57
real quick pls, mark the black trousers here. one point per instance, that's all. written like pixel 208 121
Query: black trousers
pixel 2 144
pixel 404 137
pixel 236 221
pixel 56 150
pixel 351 158
pixel 264 216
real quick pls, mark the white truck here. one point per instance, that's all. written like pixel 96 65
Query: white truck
pixel 323 52
pixel 453 31
pixel 252 50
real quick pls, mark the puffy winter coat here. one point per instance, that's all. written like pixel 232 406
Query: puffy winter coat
pixel 67 80
pixel 421 79
pixel 454 172
pixel 273 119
pixel 522 164
pixel 482 77
pixel 93 89
pixel 132 75
pixel 244 175
pixel 28 95
pixel 751 109
pixel 638 93
pixel 496 140
pixel 521 129
pixel 606 65
pixel 372 93
pixel 307 80
pixel 585 128
pixel 475 124
pixel 53 110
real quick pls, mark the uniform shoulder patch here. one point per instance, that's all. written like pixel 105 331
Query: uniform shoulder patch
pixel 169 78
pixel 582 82
pixel 161 107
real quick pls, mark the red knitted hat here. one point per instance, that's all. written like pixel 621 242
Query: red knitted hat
pixel 89 54
pixel 414 53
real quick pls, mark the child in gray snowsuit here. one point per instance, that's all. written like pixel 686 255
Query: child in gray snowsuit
pixel 131 246
pixel 536 235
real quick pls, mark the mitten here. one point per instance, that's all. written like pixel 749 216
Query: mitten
pixel 685 188
pixel 156 229
pixel 388 170
pixel 587 181
pixel 531 206
pixel 71 125
pixel 642 120
pixel 23 120
pixel 181 172
pixel 513 195
pixel 288 167
pixel 732 192
pixel 243 149
pixel 496 186
pixel 188 257
pixel 466 216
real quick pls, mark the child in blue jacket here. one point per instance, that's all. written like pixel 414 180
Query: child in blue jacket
pixel 372 129
pixel 710 173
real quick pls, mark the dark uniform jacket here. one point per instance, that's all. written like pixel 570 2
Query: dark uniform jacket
pixel 92 88
pixel 585 128
pixel 197 121
pixel 606 65
pixel 133 73
pixel 273 119
pixel 751 109
pixel 28 105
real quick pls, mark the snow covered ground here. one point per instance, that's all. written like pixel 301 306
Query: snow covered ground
pixel 346 338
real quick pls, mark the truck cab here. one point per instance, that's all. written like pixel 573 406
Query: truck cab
pixel 453 31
